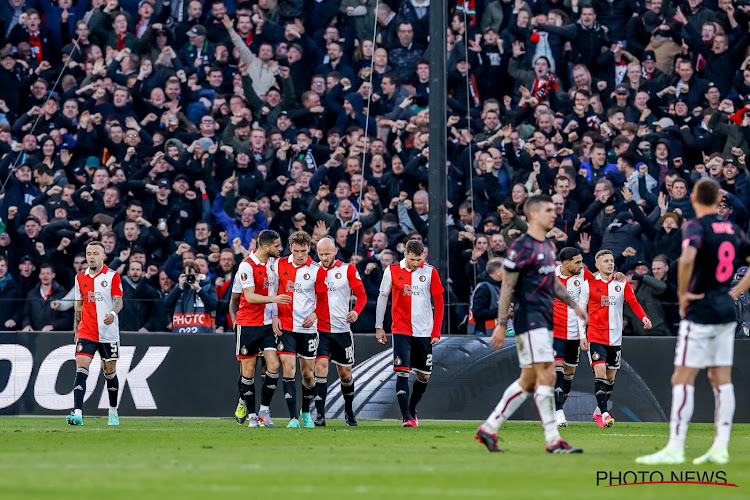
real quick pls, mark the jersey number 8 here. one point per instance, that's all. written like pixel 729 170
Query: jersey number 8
pixel 726 262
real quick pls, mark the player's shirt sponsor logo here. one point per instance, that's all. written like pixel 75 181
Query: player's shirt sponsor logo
pixel 294 287
pixel 411 290
pixel 609 300
pixel 95 296
pixel 547 269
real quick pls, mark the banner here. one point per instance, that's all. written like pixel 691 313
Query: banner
pixel 196 375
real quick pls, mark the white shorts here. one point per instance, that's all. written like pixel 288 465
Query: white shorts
pixel 701 346
pixel 535 346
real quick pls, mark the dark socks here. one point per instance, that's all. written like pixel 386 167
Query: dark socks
pixel 417 391
pixel 347 390
pixel 320 392
pixel 79 387
pixel 308 393
pixel 113 387
pixel 610 386
pixel 290 396
pixel 402 394
pixel 559 393
pixel 269 386
pixel 567 384
pixel 600 391
pixel 247 393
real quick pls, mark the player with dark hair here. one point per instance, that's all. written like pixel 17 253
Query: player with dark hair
pixel 334 320
pixel 530 282
pixel 252 307
pixel 571 274
pixel 710 247
pixel 604 299
pixel 98 295
pixel 295 324
pixel 414 328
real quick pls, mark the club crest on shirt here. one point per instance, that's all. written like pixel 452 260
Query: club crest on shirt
pixel 104 283
pixel 397 361
pixel 272 269
pixel 338 276
pixel 306 276
pixel 422 278
pixel 576 283
pixel 618 288
pixel 512 255
pixel 595 356
pixel 540 256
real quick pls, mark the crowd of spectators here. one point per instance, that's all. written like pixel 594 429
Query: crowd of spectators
pixel 173 131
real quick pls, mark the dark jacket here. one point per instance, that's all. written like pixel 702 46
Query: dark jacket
pixel 11 304
pixel 647 294
pixel 139 302
pixel 38 313
pixel 188 302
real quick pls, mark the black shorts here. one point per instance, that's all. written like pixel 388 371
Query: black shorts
pixel 412 354
pixel 109 351
pixel 609 354
pixel 568 351
pixel 339 347
pixel 251 340
pixel 305 345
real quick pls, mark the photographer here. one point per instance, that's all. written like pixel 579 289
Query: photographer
pixel 194 301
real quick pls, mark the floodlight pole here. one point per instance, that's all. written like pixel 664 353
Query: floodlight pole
pixel 437 238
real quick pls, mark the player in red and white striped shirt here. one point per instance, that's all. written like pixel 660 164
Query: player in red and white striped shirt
pixel 98 294
pixel 334 320
pixel 604 298
pixel 415 287
pixel 295 324
pixel 565 343
pixel 252 305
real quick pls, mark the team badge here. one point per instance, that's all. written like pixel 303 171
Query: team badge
pixel 244 351
pixel 422 278
pixel 104 284
pixel 243 276
pixel 617 288
pixel 595 356
pixel 306 276
pixel 338 276
pixel 280 347
pixel 79 347
pixel 512 255
pixel 576 283
pixel 272 269
pixel 554 352
pixel 397 361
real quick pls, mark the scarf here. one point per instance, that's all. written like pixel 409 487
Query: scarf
pixel 36 46
pixel 470 9
pixel 120 41
pixel 542 88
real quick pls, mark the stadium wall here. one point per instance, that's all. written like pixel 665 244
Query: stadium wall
pixel 195 376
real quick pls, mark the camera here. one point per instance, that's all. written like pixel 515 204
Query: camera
pixel 189 279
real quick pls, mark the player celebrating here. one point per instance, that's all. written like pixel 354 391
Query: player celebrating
pixel 295 324
pixel 529 278
pixel 705 339
pixel 414 328
pixel 565 344
pixel 604 296
pixel 253 304
pixel 334 320
pixel 98 294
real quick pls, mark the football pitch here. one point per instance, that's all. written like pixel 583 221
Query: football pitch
pixel 204 458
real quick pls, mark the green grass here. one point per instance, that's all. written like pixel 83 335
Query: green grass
pixel 185 459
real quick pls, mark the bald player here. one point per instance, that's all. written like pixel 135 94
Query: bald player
pixel 334 326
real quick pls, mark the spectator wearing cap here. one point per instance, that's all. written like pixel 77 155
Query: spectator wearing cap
pixel 11 301
pixel 38 314
pixel 656 78
pixel 20 190
pixel 648 291
pixel 735 181
pixel 731 209
pixel 198 52
pixel 23 243
pixel 351 114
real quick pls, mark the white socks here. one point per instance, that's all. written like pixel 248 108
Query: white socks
pixel 112 411
pixel 682 411
pixel 724 404
pixel 512 399
pixel 78 412
pixel 544 398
